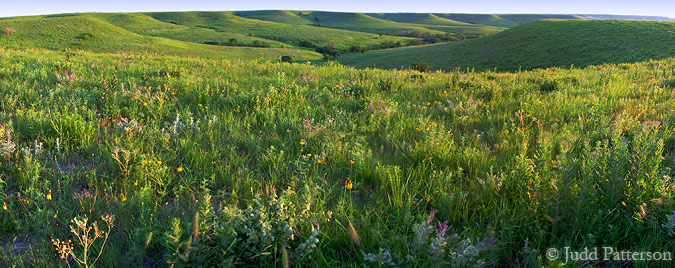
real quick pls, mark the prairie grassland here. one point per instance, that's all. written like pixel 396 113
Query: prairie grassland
pixel 221 163
pixel 540 44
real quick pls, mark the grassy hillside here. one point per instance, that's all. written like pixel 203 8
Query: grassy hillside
pixel 379 23
pixel 281 16
pixel 287 33
pixel 525 18
pixel 87 33
pixel 538 45
pixel 418 18
pixel 364 23
pixel 146 25
pixel 193 162
pixel 484 19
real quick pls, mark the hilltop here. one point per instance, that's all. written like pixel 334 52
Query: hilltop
pixel 92 34
pixel 303 35
pixel 539 44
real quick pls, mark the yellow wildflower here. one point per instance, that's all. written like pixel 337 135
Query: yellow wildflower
pixel 302 142
pixel 49 195
pixel 318 161
pixel 309 155
pixel 179 169
pixel 349 185
pixel 159 162
pixel 351 161
pixel 4 205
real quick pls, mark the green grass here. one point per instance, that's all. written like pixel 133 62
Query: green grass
pixel 87 33
pixel 287 33
pixel 418 18
pixel 484 19
pixel 525 18
pixel 146 25
pixel 178 148
pixel 378 23
pixel 539 44
pixel 280 16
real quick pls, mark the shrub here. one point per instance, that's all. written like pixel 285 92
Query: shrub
pixel 286 59
pixel 422 67
pixel 549 85
pixel 9 31
pixel 275 227
pixel 272 228
pixel 85 36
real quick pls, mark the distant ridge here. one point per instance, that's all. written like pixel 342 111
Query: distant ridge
pixel 624 17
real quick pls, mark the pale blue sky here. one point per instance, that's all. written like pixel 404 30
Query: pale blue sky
pixel 616 7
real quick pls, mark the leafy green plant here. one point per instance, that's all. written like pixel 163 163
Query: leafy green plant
pixel 422 67
pixel 276 227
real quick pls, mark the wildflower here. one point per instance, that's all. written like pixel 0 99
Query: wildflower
pixel 124 198
pixel 349 185
pixel 145 160
pixel 179 169
pixel 159 162
pixel 302 142
pixel 351 161
pixel 309 155
pixel 136 183
pixel 56 215
pixel 428 198
pixel 318 161
pixel 49 195
pixel 4 205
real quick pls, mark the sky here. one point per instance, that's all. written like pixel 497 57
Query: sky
pixel 616 7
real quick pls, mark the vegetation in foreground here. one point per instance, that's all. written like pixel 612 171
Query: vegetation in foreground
pixel 540 44
pixel 168 161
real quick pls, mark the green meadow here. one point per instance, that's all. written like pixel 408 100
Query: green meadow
pixel 541 44
pixel 127 140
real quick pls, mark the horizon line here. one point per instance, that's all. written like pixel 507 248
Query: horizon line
pixel 309 10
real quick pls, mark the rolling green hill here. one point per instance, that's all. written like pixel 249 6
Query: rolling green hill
pixel 525 18
pixel 283 32
pixel 378 23
pixel 364 23
pixel 419 18
pixel 88 33
pixel 281 16
pixel 484 19
pixel 538 44
pixel 146 25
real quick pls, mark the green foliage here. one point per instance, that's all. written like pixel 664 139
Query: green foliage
pixel 422 67
pixel 549 85
pixel 186 152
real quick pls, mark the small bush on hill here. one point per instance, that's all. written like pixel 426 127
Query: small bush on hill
pixel 549 85
pixel 85 36
pixel 422 67
pixel 286 59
